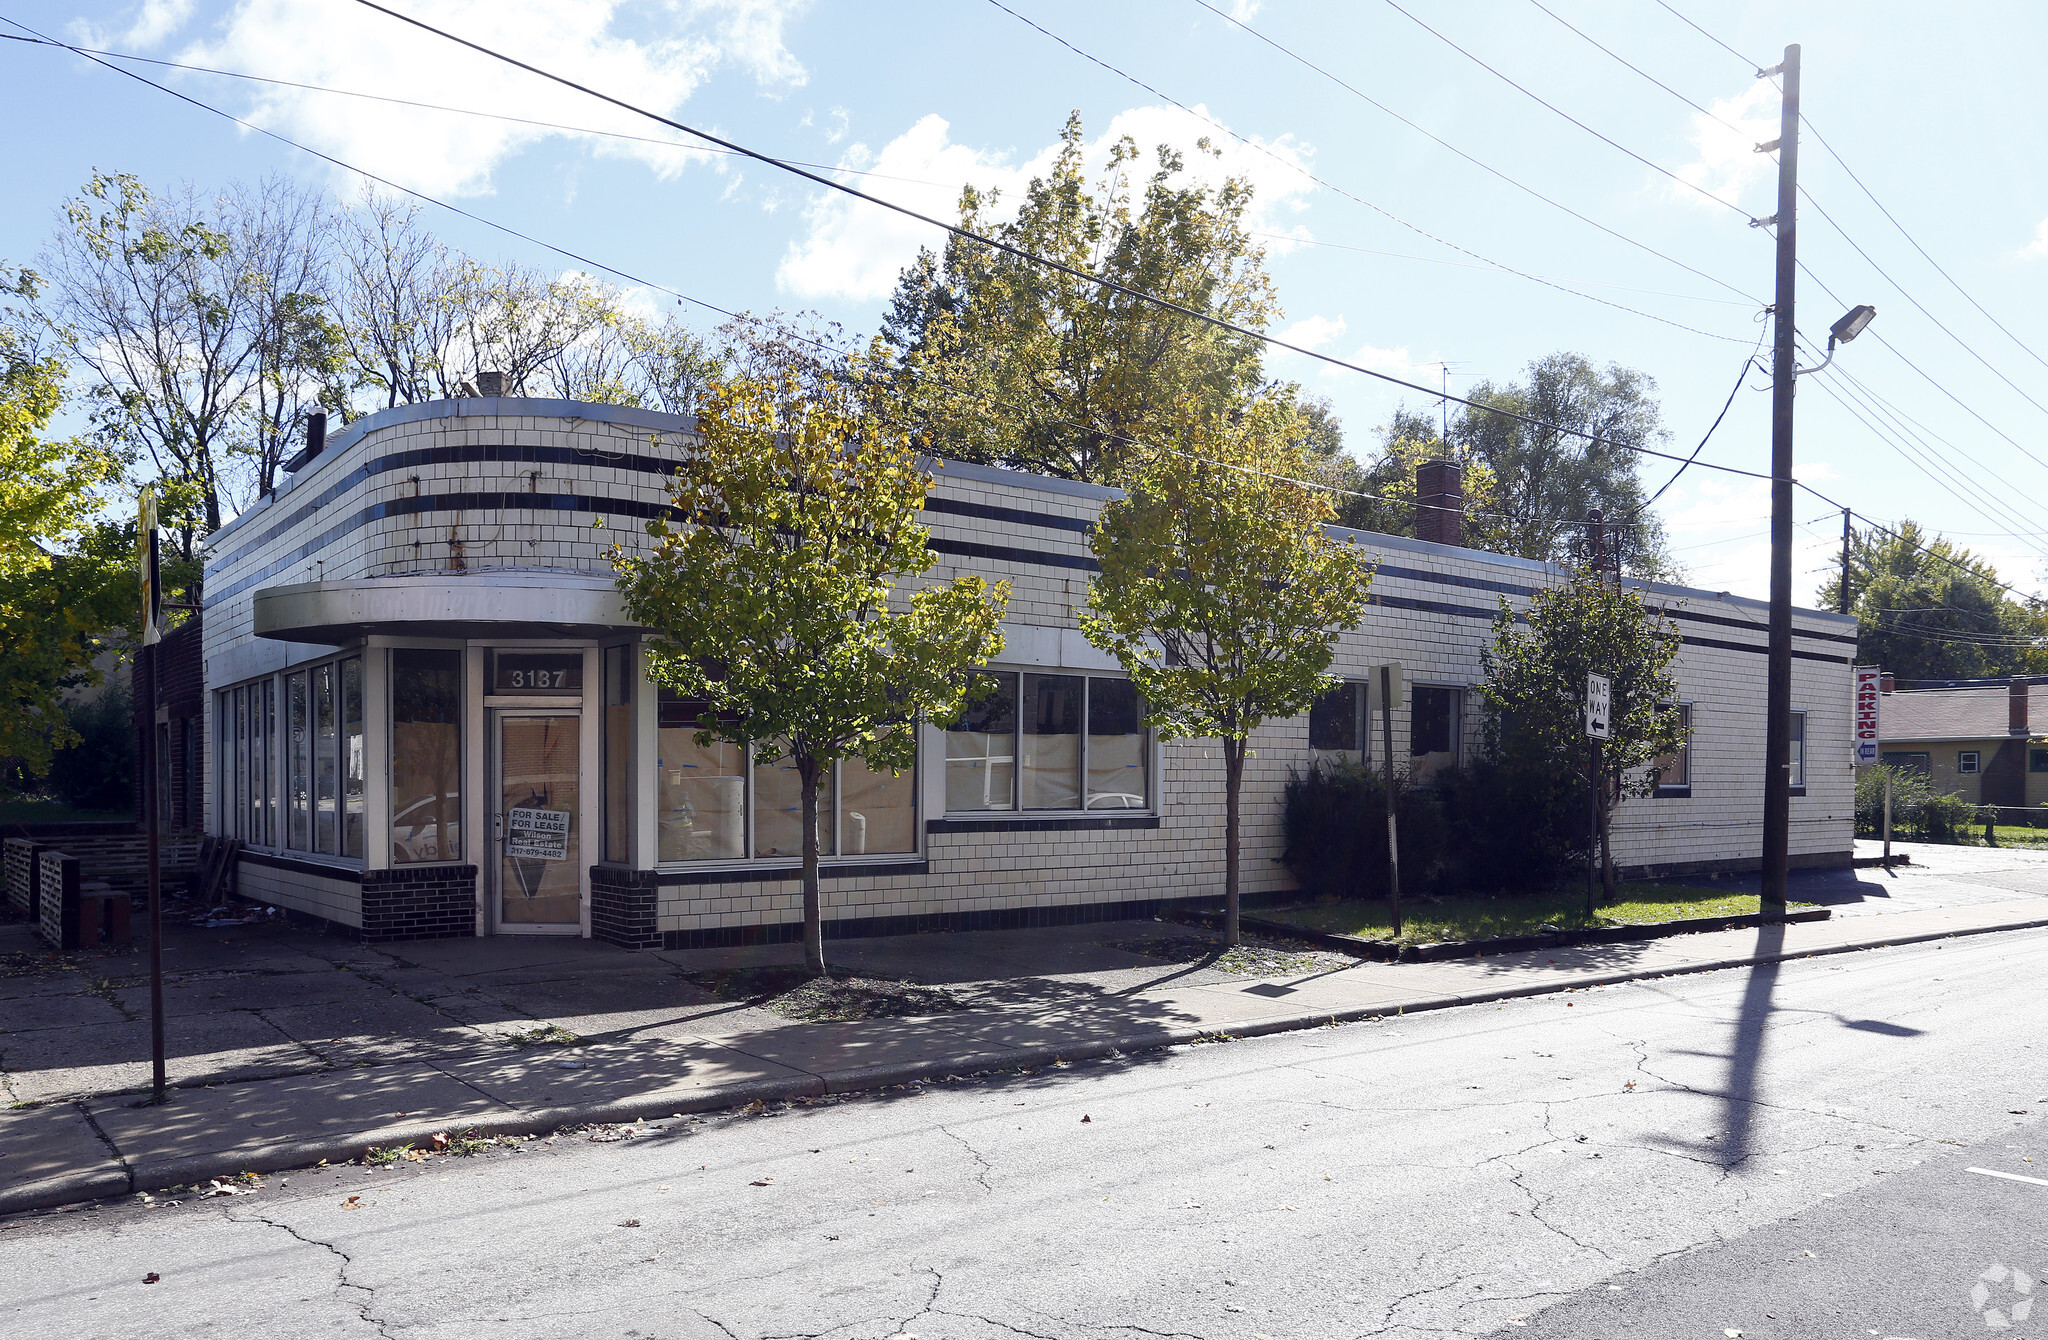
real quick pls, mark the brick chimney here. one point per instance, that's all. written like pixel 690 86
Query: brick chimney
pixel 1440 499
pixel 2016 707
pixel 1886 684
pixel 490 384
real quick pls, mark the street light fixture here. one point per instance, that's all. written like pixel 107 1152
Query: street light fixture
pixel 1848 328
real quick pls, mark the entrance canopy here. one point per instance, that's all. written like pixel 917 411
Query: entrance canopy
pixel 481 604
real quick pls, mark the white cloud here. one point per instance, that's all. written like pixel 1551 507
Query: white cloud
pixel 654 58
pixel 854 250
pixel 2039 246
pixel 1243 10
pixel 1313 332
pixel 1728 163
pixel 154 21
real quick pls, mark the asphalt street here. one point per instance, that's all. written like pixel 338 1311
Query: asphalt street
pixel 1778 1151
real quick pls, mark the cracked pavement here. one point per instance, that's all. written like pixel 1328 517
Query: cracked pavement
pixel 1535 1167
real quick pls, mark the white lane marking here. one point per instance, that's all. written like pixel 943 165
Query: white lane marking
pixel 2010 1177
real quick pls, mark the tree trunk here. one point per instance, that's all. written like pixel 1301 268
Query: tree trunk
pixel 1233 776
pixel 814 913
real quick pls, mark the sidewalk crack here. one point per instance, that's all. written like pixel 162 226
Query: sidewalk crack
pixel 113 1149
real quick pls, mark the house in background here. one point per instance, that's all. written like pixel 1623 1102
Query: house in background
pixel 1978 739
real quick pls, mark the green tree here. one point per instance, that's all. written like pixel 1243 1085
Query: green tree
pixel 1929 609
pixel 1542 481
pixel 1221 592
pixel 776 600
pixel 1536 685
pixel 1007 362
pixel 53 602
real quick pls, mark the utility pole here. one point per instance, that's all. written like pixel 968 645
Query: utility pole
pixel 1778 679
pixel 1842 605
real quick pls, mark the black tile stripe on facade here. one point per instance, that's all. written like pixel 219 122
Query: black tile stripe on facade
pixel 641 510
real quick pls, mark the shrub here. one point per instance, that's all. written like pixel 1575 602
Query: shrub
pixel 1514 823
pixel 1918 810
pixel 1334 818
pixel 98 773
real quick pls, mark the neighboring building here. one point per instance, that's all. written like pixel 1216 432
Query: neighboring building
pixel 1978 739
pixel 179 720
pixel 434 716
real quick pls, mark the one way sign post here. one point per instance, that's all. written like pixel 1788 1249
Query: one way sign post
pixel 1599 697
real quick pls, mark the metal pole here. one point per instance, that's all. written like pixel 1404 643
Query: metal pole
pixel 151 801
pixel 1778 681
pixel 1592 821
pixel 1842 605
pixel 1887 817
pixel 1393 834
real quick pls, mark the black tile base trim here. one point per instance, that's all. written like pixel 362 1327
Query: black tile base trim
pixel 848 928
pixel 670 879
pixel 347 874
pixel 1078 824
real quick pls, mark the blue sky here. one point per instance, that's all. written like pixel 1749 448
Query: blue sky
pixel 1390 260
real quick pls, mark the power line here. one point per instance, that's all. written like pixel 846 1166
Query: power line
pixel 821 167
pixel 1009 249
pixel 1747 364
pixel 1882 209
pixel 1939 324
pixel 443 107
pixel 1926 465
pixel 1542 102
pixel 1489 269
pixel 674 293
pixel 1369 100
pixel 1617 56
pixel 1924 375
pixel 1916 245
pixel 1754 65
pixel 1918 429
pixel 1328 185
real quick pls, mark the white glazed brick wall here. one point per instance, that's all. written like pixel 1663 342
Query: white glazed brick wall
pixel 969 871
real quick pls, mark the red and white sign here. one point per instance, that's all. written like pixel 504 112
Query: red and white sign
pixel 1869 702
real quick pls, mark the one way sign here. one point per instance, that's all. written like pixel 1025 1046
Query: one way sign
pixel 1598 693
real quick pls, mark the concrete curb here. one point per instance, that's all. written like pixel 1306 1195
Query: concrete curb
pixel 277 1156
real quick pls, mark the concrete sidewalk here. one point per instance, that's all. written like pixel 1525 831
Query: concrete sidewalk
pixel 289 1047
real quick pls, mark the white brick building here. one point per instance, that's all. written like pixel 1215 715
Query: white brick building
pixel 427 714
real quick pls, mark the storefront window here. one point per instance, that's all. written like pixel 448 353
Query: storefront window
pixel 779 811
pixel 702 788
pixel 981 747
pixel 352 757
pixel 1433 731
pixel 426 755
pixel 712 805
pixel 300 767
pixel 618 752
pixel 1074 738
pixel 877 812
pixel 1674 770
pixel 1116 746
pixel 1050 761
pixel 1334 716
pixel 325 761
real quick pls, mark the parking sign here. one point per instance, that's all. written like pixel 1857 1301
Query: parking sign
pixel 1869 703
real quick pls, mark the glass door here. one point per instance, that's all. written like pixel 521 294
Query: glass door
pixel 539 868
